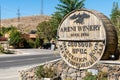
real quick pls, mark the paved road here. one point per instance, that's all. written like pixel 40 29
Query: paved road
pixel 11 64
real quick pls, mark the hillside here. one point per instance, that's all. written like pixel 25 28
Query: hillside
pixel 27 23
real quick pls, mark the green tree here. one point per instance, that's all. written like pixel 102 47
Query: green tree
pixel 48 29
pixel 115 18
pixel 54 23
pixel 115 15
pixel 37 42
pixel 63 8
pixel 6 30
pixel 45 30
pixel 67 6
pixel 15 38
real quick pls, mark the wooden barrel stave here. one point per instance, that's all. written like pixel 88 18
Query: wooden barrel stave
pixel 111 35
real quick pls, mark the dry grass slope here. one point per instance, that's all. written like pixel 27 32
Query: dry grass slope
pixel 27 23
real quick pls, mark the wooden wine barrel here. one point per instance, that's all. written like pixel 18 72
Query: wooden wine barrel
pixel 111 36
pixel 85 37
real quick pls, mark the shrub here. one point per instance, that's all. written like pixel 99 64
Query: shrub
pixel 101 76
pixel 45 72
pixel 8 52
pixel 5 51
pixel 31 43
pixel 68 78
pixel 1 48
pixel 37 43
pixel 89 76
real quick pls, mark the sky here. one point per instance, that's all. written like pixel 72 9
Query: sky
pixel 9 8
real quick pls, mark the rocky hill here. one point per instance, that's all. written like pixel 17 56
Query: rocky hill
pixel 25 24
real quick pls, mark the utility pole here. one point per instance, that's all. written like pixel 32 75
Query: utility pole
pixel 18 14
pixel 0 20
pixel 41 7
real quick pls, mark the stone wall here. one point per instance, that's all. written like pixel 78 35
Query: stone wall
pixel 64 71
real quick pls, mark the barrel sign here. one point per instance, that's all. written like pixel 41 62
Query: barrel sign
pixel 82 39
